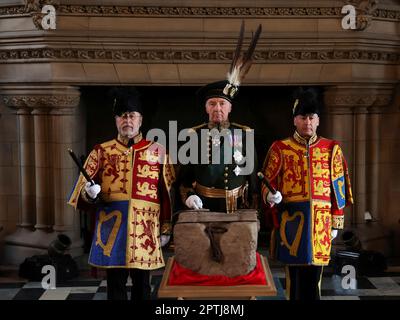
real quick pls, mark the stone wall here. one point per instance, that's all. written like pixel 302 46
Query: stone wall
pixel 9 171
pixel 189 43
pixel 388 191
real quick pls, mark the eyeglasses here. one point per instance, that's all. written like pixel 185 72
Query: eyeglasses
pixel 130 115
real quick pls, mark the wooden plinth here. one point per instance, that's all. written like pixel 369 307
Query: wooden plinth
pixel 217 292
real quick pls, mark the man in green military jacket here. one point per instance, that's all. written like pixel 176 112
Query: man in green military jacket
pixel 224 177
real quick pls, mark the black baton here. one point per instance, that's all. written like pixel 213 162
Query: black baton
pixel 81 169
pixel 265 180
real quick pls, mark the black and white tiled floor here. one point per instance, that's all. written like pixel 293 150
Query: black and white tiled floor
pixel 385 287
pixel 86 288
pixel 90 287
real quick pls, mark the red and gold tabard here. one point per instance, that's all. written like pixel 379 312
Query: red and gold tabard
pixel 135 203
pixel 313 179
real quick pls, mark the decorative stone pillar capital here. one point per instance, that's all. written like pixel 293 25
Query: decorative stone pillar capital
pixel 40 97
pixel 361 98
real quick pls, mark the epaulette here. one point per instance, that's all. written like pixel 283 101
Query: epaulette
pixel 241 126
pixel 106 144
pixel 199 126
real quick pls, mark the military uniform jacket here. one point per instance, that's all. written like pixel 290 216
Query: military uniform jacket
pixel 314 182
pixel 135 184
pixel 224 175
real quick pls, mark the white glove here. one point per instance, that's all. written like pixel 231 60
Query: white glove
pixel 164 239
pixel 194 202
pixel 92 190
pixel 274 198
pixel 334 233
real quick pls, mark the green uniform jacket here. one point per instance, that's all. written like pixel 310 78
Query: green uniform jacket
pixel 222 175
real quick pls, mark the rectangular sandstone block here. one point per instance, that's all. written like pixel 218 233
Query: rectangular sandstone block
pixel 387 152
pixel 100 73
pixel 64 179
pixel 390 124
pixel 3 208
pixel 223 25
pixel 80 23
pixel 144 24
pixel 13 208
pixel 9 128
pixel 15 154
pixel 133 73
pixel 11 25
pixel 253 77
pixel 336 73
pixel 387 28
pixel 268 25
pixel 61 71
pixel 305 73
pixel 309 25
pixel 275 73
pixel 163 73
pixel 373 72
pixel 61 158
pixel 6 158
pixel 9 182
pixel 25 73
pixel 200 74
pixel 331 25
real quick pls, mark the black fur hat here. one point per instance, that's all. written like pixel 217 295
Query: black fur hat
pixel 306 102
pixel 125 99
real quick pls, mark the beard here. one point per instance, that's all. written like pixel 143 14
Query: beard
pixel 129 132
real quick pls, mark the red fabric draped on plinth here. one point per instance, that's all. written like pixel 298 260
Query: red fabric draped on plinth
pixel 181 276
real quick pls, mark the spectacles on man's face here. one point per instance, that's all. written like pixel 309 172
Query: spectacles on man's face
pixel 130 115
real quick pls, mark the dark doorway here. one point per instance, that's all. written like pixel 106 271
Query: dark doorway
pixel 265 109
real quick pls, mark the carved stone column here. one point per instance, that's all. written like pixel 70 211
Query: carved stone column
pixel 48 127
pixel 69 130
pixel 354 121
pixel 27 168
pixel 360 160
pixel 373 160
pixel 43 172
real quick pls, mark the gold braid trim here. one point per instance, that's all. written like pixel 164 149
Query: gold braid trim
pixel 304 141
pixel 199 126
pixel 241 126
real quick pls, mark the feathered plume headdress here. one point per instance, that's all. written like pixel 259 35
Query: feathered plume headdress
pixel 241 62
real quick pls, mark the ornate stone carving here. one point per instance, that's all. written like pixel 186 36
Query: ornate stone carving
pixel 41 101
pixel 168 55
pixel 40 97
pixel 95 10
pixel 365 12
pixel 362 97
pixel 34 8
pixel 12 11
